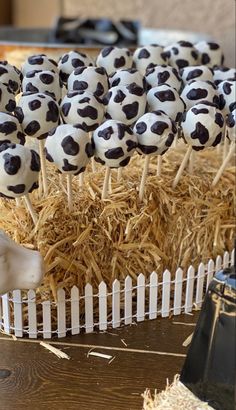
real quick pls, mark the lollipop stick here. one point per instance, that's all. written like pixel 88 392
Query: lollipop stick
pixel 144 177
pixel 182 166
pixel 43 166
pixel 226 147
pixel 119 174
pixel 93 165
pixel 224 163
pixel 191 162
pixel 18 202
pixel 69 192
pixel 81 179
pixel 31 210
pixel 159 165
pixel 106 183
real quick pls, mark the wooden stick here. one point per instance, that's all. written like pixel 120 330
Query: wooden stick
pixel 43 166
pixel 81 179
pixel 226 147
pixel 191 162
pixel 159 165
pixel 224 163
pixel 18 202
pixel 119 174
pixel 93 165
pixel 182 166
pixel 106 183
pixel 69 192
pixel 30 208
pixel 144 177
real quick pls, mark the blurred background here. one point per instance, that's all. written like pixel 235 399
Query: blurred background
pixel 213 19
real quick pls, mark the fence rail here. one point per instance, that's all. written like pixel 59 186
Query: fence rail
pixel 127 302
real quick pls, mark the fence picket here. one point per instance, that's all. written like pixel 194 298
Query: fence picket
pixel 102 291
pixel 116 304
pixel 226 260
pixel 32 314
pixel 218 264
pixel 153 295
pixel 88 308
pixel 200 283
pixel 178 291
pixel 232 258
pixel 6 313
pixel 47 325
pixel 165 306
pixel 128 300
pixel 210 271
pixel 18 319
pixel 75 319
pixel 189 290
pixel 61 313
pixel 140 298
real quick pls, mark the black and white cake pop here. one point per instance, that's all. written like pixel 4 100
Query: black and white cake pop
pixel 227 96
pixel 181 54
pixel 91 79
pixel 210 53
pixel 7 99
pixel 167 99
pixel 114 144
pixel 149 56
pixel 39 62
pixel 114 58
pixel 84 108
pixel 10 129
pixel 196 91
pixel 68 62
pixel 127 77
pixel 19 170
pixel 163 74
pixel 69 148
pixel 10 76
pixel 203 126
pixel 46 82
pixel 231 125
pixel 37 114
pixel 155 132
pixel 200 72
pixel 222 73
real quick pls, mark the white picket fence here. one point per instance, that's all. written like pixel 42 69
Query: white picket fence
pixel 125 304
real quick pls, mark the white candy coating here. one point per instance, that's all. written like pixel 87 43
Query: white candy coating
pixel 10 129
pixel 19 170
pixel 223 73
pixel 37 113
pixel 199 72
pixel 210 53
pixel 39 62
pixel 91 79
pixel 125 103
pixel 163 74
pixel 10 76
pixel 181 54
pixel 68 62
pixel 114 144
pixel 7 99
pixel 81 107
pixel 114 58
pixel 149 56
pixel 227 95
pixel 155 132
pixel 45 82
pixel 197 91
pixel 69 148
pixel 203 126
pixel 231 125
pixel 166 98
pixel 127 77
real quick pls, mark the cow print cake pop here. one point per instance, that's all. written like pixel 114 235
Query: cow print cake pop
pixel 227 96
pixel 223 73
pixel 148 57
pixel 166 98
pixel 70 61
pixel 231 125
pixel 203 126
pixel 39 62
pixel 10 130
pixel 114 143
pixel 210 53
pixel 114 58
pixel 45 82
pixel 200 72
pixel 38 114
pixel 19 170
pixel 163 74
pixel 69 148
pixel 196 91
pixel 127 77
pixel 81 107
pixel 181 54
pixel 91 79
pixel 125 103
pixel 155 133
pixel 7 99
pixel 10 76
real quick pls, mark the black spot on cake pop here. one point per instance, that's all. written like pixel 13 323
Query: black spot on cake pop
pixel 141 127
pixel 66 108
pixel 35 161
pixel 166 95
pixel 70 147
pixel 159 127
pixel 68 167
pixel 106 133
pixel 144 53
pixel 201 133
pixel 131 110
pixel 147 149
pixel 131 145
pixel 53 112
pixel 34 105
pixel 124 162
pixel 12 163
pixel 219 120
pixel 32 128
pixel 8 127
pixel 119 97
pixel 89 150
pixel 114 153
pixel 106 51
pixel 197 94
pixel 119 62
pixel 88 111
pixel 80 85
pixel 17 189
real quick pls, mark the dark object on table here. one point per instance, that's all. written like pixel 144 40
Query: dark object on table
pixel 95 32
pixel 209 370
